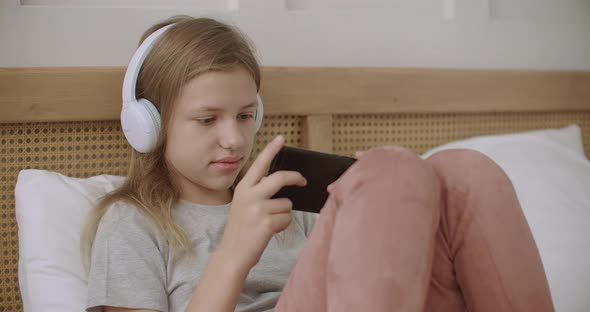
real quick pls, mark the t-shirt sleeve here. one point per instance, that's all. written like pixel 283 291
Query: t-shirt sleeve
pixel 127 268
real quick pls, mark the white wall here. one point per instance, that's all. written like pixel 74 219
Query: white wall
pixel 527 34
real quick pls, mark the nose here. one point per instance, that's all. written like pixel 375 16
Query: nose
pixel 231 135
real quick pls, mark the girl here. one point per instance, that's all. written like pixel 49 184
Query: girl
pixel 397 233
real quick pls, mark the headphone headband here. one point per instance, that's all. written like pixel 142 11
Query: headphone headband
pixel 130 82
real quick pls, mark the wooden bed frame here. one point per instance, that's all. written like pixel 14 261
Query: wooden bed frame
pixel 65 119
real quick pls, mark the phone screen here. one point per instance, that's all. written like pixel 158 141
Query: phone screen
pixel 319 169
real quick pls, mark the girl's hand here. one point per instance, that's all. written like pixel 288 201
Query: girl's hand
pixel 357 155
pixel 254 217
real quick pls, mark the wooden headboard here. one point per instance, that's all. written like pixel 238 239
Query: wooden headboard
pixel 65 119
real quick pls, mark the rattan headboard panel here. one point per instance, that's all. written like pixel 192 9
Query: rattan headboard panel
pixel 74 148
pixel 420 132
pixel 79 149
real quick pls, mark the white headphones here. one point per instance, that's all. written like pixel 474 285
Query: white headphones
pixel 140 119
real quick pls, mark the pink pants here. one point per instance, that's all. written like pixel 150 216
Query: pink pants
pixel 399 233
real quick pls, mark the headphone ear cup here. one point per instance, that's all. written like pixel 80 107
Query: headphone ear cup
pixel 154 114
pixel 141 125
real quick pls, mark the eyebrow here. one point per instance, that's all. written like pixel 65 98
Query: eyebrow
pixel 215 109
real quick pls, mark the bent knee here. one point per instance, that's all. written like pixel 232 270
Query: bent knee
pixel 467 166
pixel 384 164
pixel 391 160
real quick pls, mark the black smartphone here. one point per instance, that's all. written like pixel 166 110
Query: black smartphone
pixel 319 169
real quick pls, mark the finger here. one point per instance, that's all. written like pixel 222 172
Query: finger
pixel 358 154
pixel 271 184
pixel 261 164
pixel 330 187
pixel 281 221
pixel 278 205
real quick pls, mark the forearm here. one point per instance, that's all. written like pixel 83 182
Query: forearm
pixel 220 286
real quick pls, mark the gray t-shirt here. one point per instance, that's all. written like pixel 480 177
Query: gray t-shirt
pixel 133 265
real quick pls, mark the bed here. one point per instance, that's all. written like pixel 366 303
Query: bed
pixel 65 120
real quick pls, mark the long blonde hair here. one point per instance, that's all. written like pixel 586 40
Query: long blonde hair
pixel 191 47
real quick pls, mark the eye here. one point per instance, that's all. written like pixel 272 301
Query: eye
pixel 246 116
pixel 206 121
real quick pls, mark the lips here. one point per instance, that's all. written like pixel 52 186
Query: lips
pixel 228 160
pixel 227 164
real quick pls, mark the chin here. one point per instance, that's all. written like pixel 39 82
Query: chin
pixel 223 183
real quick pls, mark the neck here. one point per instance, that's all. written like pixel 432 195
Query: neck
pixel 203 196
pixel 198 194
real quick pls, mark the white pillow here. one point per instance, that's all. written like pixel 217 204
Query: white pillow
pixel 51 211
pixel 551 176
pixel 548 168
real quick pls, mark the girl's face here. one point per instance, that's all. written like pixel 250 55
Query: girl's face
pixel 211 133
